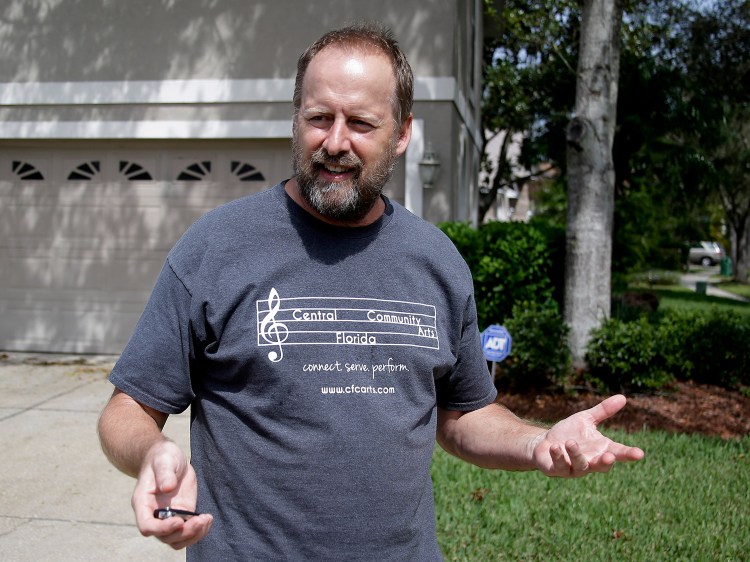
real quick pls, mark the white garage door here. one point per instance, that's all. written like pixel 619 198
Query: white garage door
pixel 84 231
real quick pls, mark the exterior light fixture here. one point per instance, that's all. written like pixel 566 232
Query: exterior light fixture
pixel 429 167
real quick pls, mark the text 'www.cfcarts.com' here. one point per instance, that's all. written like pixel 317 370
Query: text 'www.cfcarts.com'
pixel 355 389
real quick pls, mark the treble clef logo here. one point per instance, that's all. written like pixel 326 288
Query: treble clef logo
pixel 272 331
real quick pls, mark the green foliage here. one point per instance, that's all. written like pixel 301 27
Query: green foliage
pixel 707 348
pixel 624 356
pixel 679 152
pixel 514 267
pixel 640 511
pixel 673 330
pixel 681 344
pixel 540 356
pixel 510 263
pixel 518 270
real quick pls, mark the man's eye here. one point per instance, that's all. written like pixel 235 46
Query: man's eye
pixel 361 125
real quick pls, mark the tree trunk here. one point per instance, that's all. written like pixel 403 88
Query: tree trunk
pixel 742 253
pixel 591 174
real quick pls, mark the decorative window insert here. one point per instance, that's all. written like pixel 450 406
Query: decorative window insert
pixel 133 171
pixel 246 172
pixel 85 171
pixel 26 171
pixel 196 172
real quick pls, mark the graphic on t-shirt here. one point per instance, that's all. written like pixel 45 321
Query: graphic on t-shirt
pixel 272 331
pixel 343 321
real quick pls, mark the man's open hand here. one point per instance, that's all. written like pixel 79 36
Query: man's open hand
pixel 574 446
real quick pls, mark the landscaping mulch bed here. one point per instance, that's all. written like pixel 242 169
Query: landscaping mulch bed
pixel 686 408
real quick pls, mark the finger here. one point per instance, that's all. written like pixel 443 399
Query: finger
pixel 578 461
pixel 607 408
pixel 193 530
pixel 560 464
pixel 150 526
pixel 624 453
pixel 602 463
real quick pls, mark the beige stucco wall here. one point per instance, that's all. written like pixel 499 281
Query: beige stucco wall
pixel 67 40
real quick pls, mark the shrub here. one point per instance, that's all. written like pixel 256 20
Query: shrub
pixel 624 356
pixel 539 356
pixel 510 263
pixel 674 330
pixel 708 348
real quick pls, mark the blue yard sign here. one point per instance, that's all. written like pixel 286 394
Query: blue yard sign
pixel 496 342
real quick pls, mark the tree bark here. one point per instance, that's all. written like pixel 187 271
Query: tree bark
pixel 591 175
pixel 742 253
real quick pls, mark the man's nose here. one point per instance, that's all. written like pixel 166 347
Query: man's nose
pixel 338 140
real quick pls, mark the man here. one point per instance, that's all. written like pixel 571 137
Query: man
pixel 322 337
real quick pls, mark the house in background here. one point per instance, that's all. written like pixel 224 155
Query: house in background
pixel 123 122
pixel 515 202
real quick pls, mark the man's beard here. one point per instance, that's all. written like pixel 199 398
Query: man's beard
pixel 347 201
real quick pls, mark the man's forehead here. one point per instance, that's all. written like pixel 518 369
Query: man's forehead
pixel 347 69
pixel 356 54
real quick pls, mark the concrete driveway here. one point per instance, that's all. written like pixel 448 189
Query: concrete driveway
pixel 60 499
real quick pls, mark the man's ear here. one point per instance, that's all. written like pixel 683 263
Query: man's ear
pixel 404 136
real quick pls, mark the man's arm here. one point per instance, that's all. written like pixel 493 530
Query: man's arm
pixel 131 437
pixel 493 437
pixel 127 430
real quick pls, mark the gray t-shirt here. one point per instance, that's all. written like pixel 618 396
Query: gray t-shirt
pixel 313 358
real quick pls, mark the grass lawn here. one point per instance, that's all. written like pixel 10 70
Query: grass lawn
pixel 677 296
pixel 682 298
pixel 736 288
pixel 689 499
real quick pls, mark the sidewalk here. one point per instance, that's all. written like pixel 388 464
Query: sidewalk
pixel 60 499
pixel 690 281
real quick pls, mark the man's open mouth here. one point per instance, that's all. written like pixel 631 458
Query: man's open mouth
pixel 337 169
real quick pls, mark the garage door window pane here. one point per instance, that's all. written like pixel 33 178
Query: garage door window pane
pixel 196 172
pixel 133 171
pixel 26 171
pixel 85 171
pixel 246 172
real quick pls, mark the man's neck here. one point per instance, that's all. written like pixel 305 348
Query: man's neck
pixel 292 189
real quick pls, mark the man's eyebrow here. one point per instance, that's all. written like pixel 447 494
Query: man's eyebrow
pixel 314 111
pixel 355 114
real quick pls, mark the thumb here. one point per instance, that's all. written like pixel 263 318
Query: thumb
pixel 168 465
pixel 607 408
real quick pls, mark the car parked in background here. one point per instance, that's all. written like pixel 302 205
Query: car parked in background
pixel 706 253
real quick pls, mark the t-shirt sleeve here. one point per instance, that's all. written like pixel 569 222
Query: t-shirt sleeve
pixel 469 385
pixel 154 367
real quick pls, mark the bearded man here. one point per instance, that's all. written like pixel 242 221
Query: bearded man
pixel 322 337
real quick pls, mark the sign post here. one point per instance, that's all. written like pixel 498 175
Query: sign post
pixel 496 344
